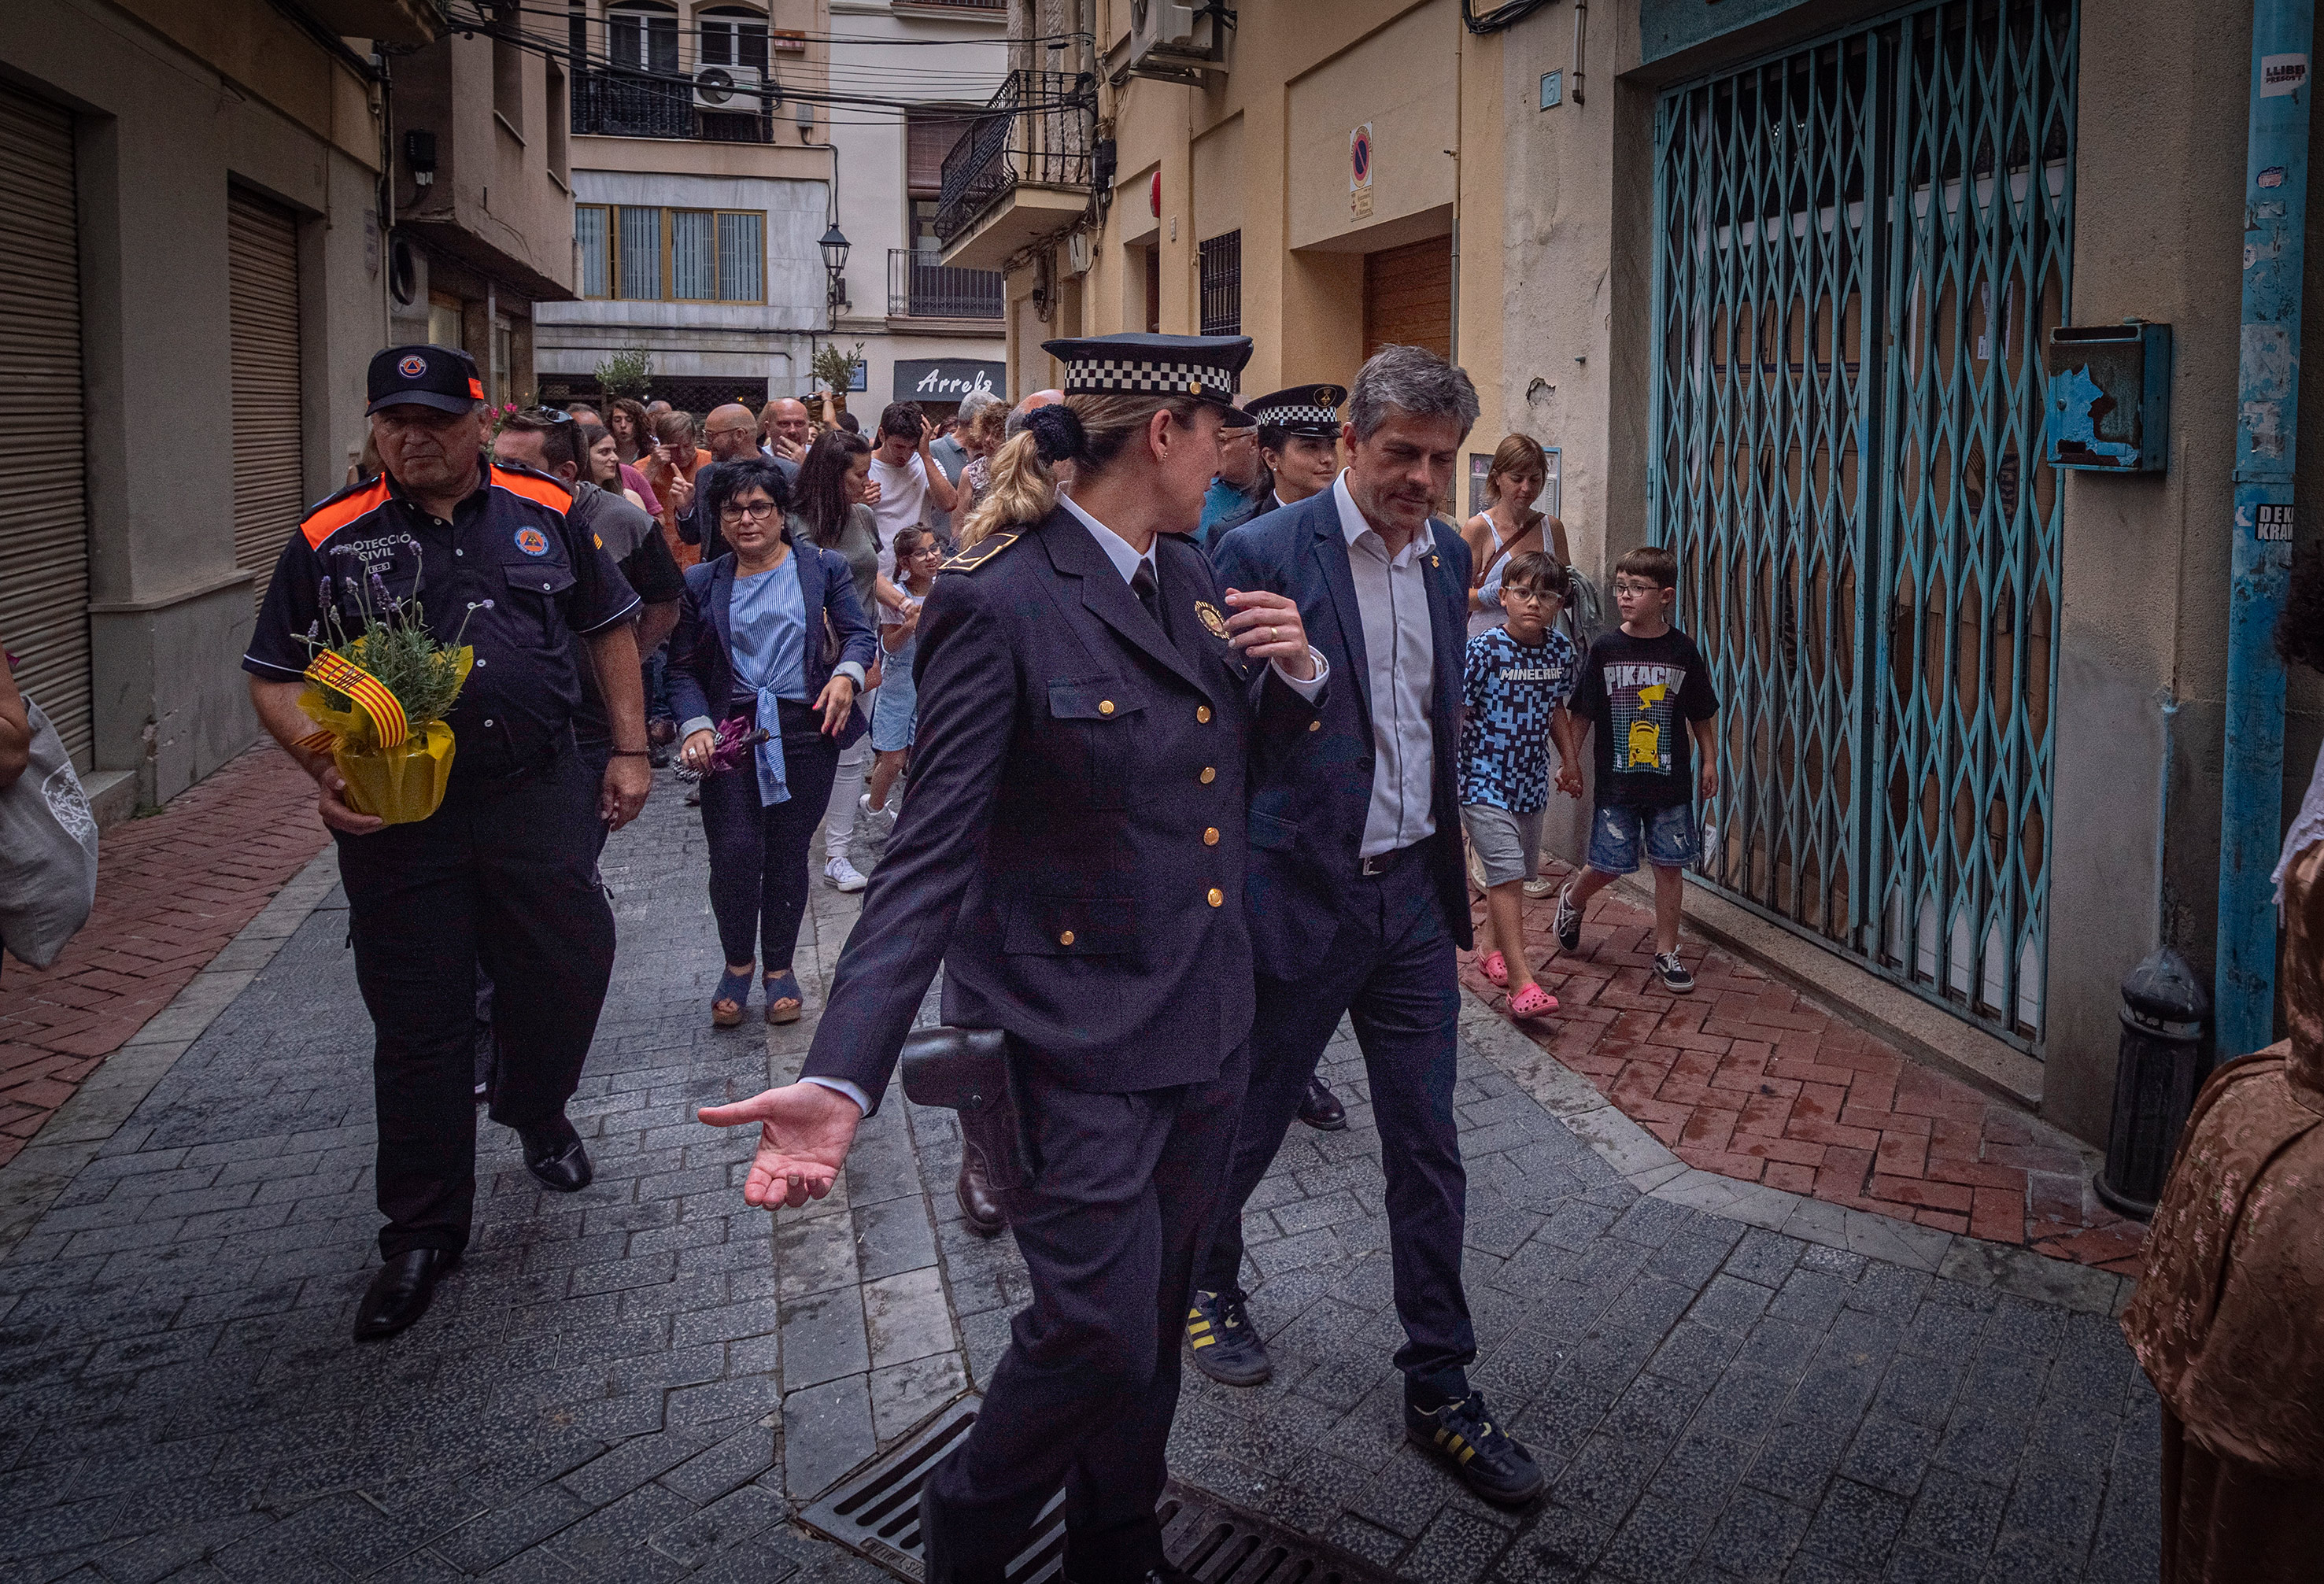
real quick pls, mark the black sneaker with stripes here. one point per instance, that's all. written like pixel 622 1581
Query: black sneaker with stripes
pixel 1485 1457
pixel 1225 1346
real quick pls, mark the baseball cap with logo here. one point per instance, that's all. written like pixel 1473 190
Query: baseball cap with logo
pixel 442 377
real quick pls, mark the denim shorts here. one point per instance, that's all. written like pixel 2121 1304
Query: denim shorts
pixel 1671 838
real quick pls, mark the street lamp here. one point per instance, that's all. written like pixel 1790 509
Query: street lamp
pixel 835 262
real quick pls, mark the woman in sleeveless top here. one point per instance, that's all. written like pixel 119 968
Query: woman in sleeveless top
pixel 1509 526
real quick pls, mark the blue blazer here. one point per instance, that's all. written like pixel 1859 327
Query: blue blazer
pixel 1307 812
pixel 702 644
pixel 1071 845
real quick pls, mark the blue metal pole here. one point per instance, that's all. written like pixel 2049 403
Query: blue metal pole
pixel 2267 418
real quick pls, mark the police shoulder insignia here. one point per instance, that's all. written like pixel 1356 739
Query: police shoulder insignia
pixel 1209 613
pixel 979 553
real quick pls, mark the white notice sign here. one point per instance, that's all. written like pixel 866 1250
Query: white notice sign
pixel 2282 74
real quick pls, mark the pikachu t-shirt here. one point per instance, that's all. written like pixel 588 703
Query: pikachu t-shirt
pixel 1642 694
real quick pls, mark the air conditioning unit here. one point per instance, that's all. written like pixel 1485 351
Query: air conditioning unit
pixel 1174 41
pixel 736 89
pixel 1078 253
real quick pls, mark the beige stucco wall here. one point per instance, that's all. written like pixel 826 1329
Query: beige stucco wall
pixel 160 136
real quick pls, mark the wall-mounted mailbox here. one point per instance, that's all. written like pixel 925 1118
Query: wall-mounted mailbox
pixel 2109 407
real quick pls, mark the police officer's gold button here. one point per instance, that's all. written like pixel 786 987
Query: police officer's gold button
pixel 1209 775
pixel 1211 836
pixel 1202 715
pixel 1105 706
pixel 1066 939
pixel 1217 898
pixel 1314 725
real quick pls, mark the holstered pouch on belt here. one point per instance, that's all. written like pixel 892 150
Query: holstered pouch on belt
pixel 967 1070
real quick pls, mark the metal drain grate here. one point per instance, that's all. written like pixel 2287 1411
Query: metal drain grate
pixel 877 1513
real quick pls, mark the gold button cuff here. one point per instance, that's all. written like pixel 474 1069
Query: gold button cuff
pixel 1217 897
pixel 1105 706
pixel 1066 939
pixel 1211 836
pixel 1209 775
pixel 1202 715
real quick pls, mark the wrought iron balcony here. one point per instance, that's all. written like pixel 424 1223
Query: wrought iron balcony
pixel 1037 132
pixel 616 104
pixel 919 288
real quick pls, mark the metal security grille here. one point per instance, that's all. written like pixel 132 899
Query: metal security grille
pixel 269 485
pixel 1222 258
pixel 1861 245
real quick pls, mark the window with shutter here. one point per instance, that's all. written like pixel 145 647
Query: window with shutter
pixel 44 516
pixel 931 135
pixel 270 486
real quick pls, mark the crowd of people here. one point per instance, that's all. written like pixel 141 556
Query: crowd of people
pixel 1225 721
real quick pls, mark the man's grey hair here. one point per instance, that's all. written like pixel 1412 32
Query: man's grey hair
pixel 1414 381
pixel 973 403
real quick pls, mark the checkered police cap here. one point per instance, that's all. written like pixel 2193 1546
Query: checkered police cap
pixel 1201 366
pixel 1302 410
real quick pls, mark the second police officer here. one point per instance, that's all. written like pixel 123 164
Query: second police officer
pixel 504 872
pixel 1072 850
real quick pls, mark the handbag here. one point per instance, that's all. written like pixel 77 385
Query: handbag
pixel 48 850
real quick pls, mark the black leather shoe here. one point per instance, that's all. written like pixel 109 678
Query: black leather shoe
pixel 399 1294
pixel 980 1203
pixel 553 1153
pixel 1488 1461
pixel 1320 1110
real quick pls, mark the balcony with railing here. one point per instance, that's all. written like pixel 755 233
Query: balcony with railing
pixel 921 288
pixel 1021 171
pixel 618 104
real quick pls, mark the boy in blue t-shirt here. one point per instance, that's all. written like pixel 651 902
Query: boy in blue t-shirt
pixel 1515 682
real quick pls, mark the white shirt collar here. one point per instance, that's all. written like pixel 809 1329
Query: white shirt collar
pixel 1117 549
pixel 1353 526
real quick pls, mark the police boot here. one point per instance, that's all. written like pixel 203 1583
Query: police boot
pixel 980 1203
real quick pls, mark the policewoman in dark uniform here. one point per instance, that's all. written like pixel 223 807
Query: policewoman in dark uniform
pixel 504 872
pixel 1298 442
pixel 1091 705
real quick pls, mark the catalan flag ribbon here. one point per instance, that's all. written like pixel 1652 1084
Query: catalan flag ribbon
pixel 335 671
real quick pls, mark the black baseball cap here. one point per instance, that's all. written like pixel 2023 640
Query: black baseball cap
pixel 442 377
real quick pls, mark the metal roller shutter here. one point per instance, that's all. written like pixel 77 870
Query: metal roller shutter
pixel 1408 297
pixel 269 489
pixel 45 513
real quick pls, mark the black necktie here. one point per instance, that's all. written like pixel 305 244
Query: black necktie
pixel 1148 592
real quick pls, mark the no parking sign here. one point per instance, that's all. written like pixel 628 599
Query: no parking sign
pixel 1360 170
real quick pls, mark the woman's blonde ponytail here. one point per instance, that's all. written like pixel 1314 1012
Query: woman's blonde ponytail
pixel 1023 490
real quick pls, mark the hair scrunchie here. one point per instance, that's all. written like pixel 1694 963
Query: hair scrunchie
pixel 1057 432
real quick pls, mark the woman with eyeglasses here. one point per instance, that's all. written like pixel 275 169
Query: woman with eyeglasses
pixel 772 635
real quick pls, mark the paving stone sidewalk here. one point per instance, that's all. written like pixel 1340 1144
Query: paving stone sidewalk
pixel 647 1380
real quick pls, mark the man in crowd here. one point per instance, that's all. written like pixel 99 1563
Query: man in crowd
pixel 732 434
pixel 504 872
pixel 784 430
pixel 1239 490
pixel 1357 898
pixel 549 443
pixel 951 458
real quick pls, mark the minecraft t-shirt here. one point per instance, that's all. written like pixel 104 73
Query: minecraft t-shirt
pixel 1641 694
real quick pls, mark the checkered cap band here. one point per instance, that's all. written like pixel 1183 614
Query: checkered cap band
pixel 1289 417
pixel 1117 376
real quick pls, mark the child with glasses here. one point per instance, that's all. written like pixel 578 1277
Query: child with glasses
pixel 1646 690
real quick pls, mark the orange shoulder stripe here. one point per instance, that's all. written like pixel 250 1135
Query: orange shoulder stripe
pixel 334 515
pixel 533 487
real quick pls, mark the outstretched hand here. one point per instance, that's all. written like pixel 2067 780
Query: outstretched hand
pixel 804 1132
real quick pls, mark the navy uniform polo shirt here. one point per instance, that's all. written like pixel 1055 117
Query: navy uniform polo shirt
pixel 509 575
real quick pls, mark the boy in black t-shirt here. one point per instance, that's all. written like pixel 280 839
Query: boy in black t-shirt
pixel 1647 691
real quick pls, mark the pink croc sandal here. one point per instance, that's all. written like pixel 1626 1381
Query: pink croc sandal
pixel 1532 1002
pixel 1496 968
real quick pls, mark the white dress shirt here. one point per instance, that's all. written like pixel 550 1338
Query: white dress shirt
pixel 1126 560
pixel 1400 655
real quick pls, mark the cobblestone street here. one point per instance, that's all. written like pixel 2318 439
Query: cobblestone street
pixel 647 1380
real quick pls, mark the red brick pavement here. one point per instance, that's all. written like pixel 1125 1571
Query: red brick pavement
pixel 1746 1079
pixel 172 889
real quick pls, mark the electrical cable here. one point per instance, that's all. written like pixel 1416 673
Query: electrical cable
pixel 1499 17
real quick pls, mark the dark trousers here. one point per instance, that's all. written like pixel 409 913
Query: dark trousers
pixel 1121 1188
pixel 506 877
pixel 1391 969
pixel 757 854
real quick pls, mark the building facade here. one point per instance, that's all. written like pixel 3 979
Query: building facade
pixel 701 163
pixel 931 332
pixel 194 261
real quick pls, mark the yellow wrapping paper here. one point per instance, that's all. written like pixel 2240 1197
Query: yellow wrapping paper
pixel 400 785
